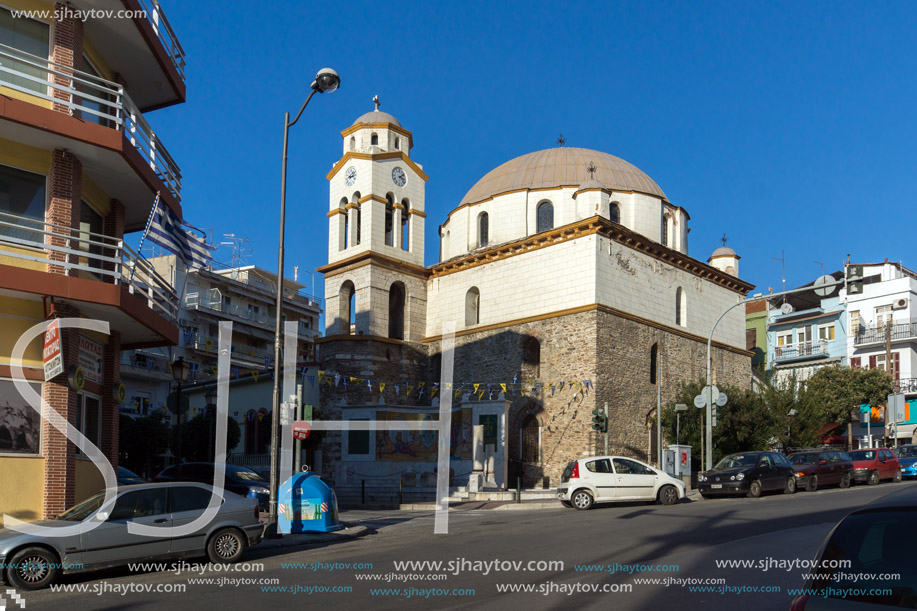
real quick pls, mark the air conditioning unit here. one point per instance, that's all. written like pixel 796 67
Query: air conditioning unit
pixel 899 304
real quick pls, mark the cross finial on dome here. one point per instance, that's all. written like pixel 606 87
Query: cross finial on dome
pixel 561 140
pixel 724 238
pixel 591 169
pixel 377 102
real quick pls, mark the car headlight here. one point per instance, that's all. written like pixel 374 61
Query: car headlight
pixel 861 468
pixel 800 474
pixel 740 476
pixel 259 490
pixel 702 478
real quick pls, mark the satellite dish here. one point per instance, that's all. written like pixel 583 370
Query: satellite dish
pixel 787 308
pixel 825 291
pixel 234 274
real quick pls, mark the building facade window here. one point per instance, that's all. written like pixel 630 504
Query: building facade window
pixel 483 229
pixel 854 322
pixel 374 140
pixel 664 231
pixel 614 212
pixel 358 443
pixel 826 332
pixel 22 194
pixel 680 307
pixel 545 217
pixel 472 306
pixel 883 316
pixel 405 225
pixel 531 440
pixel 396 299
pixel 804 335
pixel 389 219
pixel 89 418
pixel 353 143
pixel 29 36
pixel 346 307
pixel 397 144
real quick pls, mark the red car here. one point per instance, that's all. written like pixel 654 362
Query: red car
pixel 872 465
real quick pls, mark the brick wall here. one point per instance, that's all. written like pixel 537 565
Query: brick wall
pixel 64 189
pixel 67 50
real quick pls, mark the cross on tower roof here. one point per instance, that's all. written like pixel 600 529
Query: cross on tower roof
pixel 591 169
pixel 377 102
pixel 724 238
pixel 561 140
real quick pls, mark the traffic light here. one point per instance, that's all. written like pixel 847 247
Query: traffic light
pixel 854 279
pixel 599 421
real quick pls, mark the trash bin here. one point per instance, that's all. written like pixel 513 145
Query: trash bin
pixel 306 504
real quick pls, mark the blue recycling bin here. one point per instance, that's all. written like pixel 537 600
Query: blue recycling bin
pixel 306 504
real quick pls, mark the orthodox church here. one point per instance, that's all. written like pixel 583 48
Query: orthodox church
pixel 567 276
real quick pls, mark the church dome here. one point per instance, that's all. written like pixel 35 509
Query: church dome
pixel 377 116
pixel 561 166
pixel 723 251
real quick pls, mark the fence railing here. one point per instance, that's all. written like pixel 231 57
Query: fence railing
pixel 75 252
pixel 877 334
pixel 801 350
pixel 166 35
pixel 93 99
pixel 255 281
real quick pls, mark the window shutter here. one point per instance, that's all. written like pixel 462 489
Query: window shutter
pixel 872 361
pixel 856 362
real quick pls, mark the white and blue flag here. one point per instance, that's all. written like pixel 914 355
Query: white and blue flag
pixel 168 231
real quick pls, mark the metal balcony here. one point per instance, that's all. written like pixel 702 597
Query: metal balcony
pixel 88 255
pixel 877 334
pixel 802 350
pixel 92 99
pixel 166 35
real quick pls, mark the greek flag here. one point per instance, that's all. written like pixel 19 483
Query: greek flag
pixel 168 231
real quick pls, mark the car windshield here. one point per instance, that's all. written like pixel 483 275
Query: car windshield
pixel 907 452
pixel 568 471
pixel 83 510
pixel 863 454
pixel 737 460
pixel 241 473
pixel 803 459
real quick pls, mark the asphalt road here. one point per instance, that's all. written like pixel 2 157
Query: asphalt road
pixel 688 537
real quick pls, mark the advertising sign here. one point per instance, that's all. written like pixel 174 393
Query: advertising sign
pixel 51 351
pixel 90 359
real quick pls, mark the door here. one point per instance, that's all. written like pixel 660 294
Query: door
pixel 599 475
pixel 112 544
pixel 633 480
pixel 767 472
pixel 826 469
pixel 187 504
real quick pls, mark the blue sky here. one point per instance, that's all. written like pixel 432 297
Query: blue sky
pixel 790 127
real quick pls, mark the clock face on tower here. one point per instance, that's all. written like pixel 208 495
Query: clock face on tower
pixel 399 177
pixel 351 176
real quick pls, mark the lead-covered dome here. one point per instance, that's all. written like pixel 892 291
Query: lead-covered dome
pixel 377 116
pixel 562 166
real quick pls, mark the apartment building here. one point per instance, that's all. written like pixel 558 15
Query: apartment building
pixel 79 168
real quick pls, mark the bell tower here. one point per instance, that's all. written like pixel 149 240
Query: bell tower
pixel 375 282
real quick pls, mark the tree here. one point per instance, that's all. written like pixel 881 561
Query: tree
pixel 200 430
pixel 837 390
pixel 141 441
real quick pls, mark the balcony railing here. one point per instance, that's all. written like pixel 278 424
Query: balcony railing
pixel 906 385
pixel 166 35
pixel 92 98
pixel 84 253
pixel 300 297
pixel 877 334
pixel 204 343
pixel 198 300
pixel 801 350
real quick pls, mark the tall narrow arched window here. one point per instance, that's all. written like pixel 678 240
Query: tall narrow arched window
pixel 397 143
pixel 680 307
pixel 374 139
pixel 355 201
pixel 353 143
pixel 531 357
pixel 346 308
pixel 664 232
pixel 654 361
pixel 472 306
pixel 545 216
pixel 346 237
pixel 531 440
pixel 359 227
pixel 396 298
pixel 405 225
pixel 483 229
pixel 614 212
pixel 389 219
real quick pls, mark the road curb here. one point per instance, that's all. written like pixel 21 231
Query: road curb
pixel 300 539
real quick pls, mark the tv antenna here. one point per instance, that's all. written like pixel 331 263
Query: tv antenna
pixel 822 267
pixel 782 260
pixel 240 252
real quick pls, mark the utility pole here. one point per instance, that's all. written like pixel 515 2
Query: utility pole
pixel 659 408
pixel 606 428
pixel 889 368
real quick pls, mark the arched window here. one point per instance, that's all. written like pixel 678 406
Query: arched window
pixel 343 206
pixel 545 217
pixel 397 143
pixel 353 143
pixel 680 304
pixel 396 311
pixel 374 139
pixel 483 228
pixel 654 360
pixel 665 230
pixel 355 200
pixel 347 315
pixel 531 357
pixel 531 440
pixel 389 219
pixel 472 306
pixel 614 212
pixel 359 227
pixel 405 226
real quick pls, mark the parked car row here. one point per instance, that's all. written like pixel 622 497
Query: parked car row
pixel 752 473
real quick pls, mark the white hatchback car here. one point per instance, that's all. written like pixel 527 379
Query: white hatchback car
pixel 608 479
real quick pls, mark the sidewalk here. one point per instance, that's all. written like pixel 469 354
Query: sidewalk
pixel 504 505
pixel 347 533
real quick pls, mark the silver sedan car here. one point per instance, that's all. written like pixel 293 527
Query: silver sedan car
pixel 33 561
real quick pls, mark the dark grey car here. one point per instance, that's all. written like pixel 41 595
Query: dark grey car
pixel 33 561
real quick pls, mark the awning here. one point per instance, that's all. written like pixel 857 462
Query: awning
pixel 906 430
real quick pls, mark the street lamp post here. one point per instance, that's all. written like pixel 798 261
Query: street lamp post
pixel 211 398
pixel 326 80
pixel 179 374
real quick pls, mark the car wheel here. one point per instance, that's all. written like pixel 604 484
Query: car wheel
pixel 754 490
pixel 873 478
pixel 33 568
pixel 845 481
pixel 812 483
pixel 790 485
pixel 225 546
pixel 898 475
pixel 582 500
pixel 668 495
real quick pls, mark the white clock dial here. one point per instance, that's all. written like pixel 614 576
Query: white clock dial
pixel 399 177
pixel 351 176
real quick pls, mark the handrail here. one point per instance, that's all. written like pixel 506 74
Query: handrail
pixel 165 33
